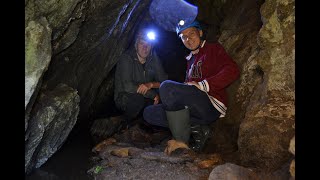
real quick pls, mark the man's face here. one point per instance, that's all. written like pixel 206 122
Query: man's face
pixel 143 48
pixel 191 37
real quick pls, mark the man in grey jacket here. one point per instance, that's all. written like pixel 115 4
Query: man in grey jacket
pixel 139 73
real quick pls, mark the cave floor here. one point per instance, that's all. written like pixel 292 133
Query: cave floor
pixel 134 153
pixel 138 153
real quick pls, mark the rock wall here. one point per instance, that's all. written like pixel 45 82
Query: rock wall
pixel 37 54
pixel 238 35
pixel 259 36
pixel 75 43
pixel 269 121
pixel 52 119
pixel 106 33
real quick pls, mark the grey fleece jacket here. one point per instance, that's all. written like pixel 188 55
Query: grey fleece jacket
pixel 130 73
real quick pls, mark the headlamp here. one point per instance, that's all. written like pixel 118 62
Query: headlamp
pixel 148 34
pixel 151 35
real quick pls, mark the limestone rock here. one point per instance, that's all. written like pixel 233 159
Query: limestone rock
pixel 51 121
pixel 122 152
pixel 105 127
pixel 238 36
pixel 213 160
pixel 37 54
pixel 293 163
pixel 58 13
pixel 268 126
pixel 231 171
pixel 293 145
pixel 88 61
pixel 293 168
pixel 103 144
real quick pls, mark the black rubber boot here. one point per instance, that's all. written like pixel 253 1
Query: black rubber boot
pixel 199 136
pixel 179 124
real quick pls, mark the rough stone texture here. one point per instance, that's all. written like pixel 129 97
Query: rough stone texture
pixel 101 107
pixel 238 36
pixel 293 151
pixel 82 36
pixel 51 120
pixel 105 127
pixel 89 60
pixel 262 100
pixel 293 169
pixel 37 54
pixel 60 14
pixel 67 34
pixel 292 147
pixel 210 13
pixel 268 125
pixel 43 20
pixel 231 171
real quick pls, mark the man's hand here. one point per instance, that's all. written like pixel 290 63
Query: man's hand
pixel 143 88
pixel 156 99
pixel 194 83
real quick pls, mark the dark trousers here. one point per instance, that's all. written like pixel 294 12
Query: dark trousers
pixel 175 96
pixel 133 104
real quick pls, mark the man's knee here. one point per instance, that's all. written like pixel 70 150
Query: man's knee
pixel 166 91
pixel 165 87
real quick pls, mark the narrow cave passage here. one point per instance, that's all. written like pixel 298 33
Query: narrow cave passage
pixel 72 161
pixel 73 130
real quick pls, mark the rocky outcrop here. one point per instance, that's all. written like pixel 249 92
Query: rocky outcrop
pixel 46 22
pixel 37 54
pixel 292 149
pixel 61 15
pixel 51 120
pixel 259 36
pixel 239 31
pixel 106 32
pixel 80 39
pixel 232 171
pixel 268 125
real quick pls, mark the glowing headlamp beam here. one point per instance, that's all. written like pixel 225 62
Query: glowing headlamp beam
pixel 151 35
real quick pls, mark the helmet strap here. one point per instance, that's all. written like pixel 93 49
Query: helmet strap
pixel 196 50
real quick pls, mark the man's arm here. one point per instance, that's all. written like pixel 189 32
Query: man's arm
pixel 229 72
pixel 160 75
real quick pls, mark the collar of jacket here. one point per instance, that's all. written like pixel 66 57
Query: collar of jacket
pixel 190 55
